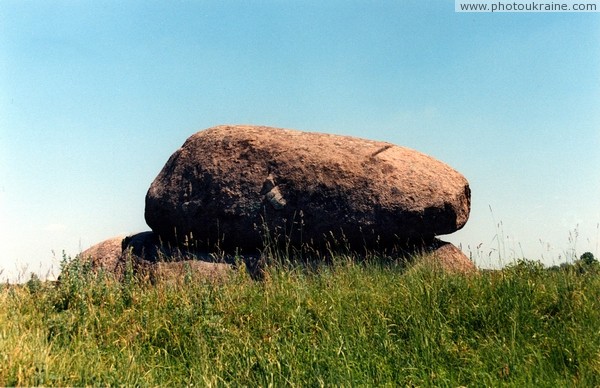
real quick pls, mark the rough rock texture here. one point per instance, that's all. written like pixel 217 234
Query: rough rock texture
pixel 146 246
pixel 148 257
pixel 105 255
pixel 177 270
pixel 450 258
pixel 226 185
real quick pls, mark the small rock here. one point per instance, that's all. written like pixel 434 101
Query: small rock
pixel 450 258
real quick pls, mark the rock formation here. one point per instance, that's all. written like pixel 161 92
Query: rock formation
pixel 449 258
pixel 237 187
pixel 148 257
pixel 106 255
pixel 249 189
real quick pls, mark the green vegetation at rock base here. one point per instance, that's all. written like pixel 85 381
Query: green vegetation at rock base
pixel 346 324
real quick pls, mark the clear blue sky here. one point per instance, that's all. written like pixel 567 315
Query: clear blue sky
pixel 96 95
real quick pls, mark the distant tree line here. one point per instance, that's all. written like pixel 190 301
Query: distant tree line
pixel 586 263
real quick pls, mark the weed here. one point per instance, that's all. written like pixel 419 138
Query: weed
pixel 347 323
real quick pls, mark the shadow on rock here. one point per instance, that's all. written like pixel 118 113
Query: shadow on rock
pixel 151 259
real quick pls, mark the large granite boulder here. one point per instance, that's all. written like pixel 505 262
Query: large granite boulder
pixel 241 186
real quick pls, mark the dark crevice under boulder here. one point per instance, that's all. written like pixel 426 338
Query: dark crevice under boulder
pixel 149 257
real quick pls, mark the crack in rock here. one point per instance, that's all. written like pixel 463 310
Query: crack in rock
pixel 272 193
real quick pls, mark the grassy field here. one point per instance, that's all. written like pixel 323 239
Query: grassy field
pixel 347 324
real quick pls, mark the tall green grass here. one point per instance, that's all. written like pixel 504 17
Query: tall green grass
pixel 346 324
